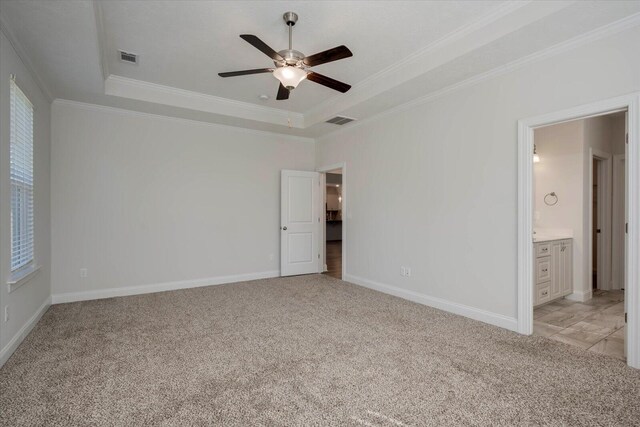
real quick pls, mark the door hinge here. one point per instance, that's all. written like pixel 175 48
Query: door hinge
pixel 626 228
pixel 318 256
pixel 625 318
pixel 626 138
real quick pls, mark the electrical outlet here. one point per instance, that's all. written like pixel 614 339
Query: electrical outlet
pixel 407 271
pixel 403 271
pixel 6 313
pixel 83 272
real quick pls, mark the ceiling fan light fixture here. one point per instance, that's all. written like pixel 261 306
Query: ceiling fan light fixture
pixel 290 76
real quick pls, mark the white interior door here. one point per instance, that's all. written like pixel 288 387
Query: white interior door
pixel 299 223
pixel 626 234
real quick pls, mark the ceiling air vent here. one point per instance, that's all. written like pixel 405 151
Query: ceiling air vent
pixel 131 58
pixel 340 120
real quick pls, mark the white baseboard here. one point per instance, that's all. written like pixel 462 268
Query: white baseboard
pixel 500 320
pixel 159 287
pixel 580 296
pixel 13 344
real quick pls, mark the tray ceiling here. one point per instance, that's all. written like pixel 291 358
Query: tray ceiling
pixel 402 50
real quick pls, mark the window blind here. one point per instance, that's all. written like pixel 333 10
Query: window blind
pixel 21 157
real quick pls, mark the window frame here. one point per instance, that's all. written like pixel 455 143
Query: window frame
pixel 23 271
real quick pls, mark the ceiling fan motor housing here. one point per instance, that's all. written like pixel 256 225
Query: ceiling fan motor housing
pixel 291 57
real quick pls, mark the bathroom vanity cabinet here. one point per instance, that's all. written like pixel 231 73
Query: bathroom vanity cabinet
pixel 553 270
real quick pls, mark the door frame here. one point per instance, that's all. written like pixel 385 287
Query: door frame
pixel 604 215
pixel 323 254
pixel 630 103
pixel 617 277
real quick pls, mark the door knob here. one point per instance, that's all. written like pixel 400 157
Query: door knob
pixel 284 228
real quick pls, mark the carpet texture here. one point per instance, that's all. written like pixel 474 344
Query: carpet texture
pixel 308 350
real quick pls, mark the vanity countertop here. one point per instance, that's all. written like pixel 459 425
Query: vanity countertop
pixel 549 237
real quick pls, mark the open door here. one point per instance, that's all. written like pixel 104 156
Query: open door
pixel 299 222
pixel 626 234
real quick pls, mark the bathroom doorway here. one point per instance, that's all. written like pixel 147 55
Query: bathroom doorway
pixel 604 317
pixel 574 300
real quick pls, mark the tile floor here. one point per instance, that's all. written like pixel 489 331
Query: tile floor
pixel 596 325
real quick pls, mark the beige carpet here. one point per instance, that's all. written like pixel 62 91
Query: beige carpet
pixel 299 351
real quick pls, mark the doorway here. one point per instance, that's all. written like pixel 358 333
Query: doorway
pixel 570 196
pixel 601 204
pixel 333 254
pixel 531 256
pixel 333 223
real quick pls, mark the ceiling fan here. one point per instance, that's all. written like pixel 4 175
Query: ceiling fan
pixel 291 66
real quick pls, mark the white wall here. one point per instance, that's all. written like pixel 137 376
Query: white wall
pixel 142 200
pixel 29 300
pixel 434 187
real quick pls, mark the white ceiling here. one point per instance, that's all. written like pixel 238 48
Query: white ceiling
pixel 402 50
pixel 185 44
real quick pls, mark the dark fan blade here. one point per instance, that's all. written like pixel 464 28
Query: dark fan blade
pixel 262 46
pixel 328 82
pixel 245 72
pixel 330 55
pixel 283 93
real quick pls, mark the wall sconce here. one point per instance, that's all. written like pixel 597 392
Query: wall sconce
pixel 536 158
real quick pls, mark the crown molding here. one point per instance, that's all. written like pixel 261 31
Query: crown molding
pixel 25 60
pixel 100 39
pixel 159 94
pixel 506 19
pixel 600 33
pixel 124 111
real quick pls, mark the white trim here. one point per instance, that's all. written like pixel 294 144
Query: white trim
pixel 617 222
pixel 167 95
pixel 439 303
pixel 124 111
pixel 631 103
pixel 525 229
pixel 591 36
pixel 100 39
pixel 345 214
pixel 632 265
pixel 159 287
pixel 13 344
pixel 22 276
